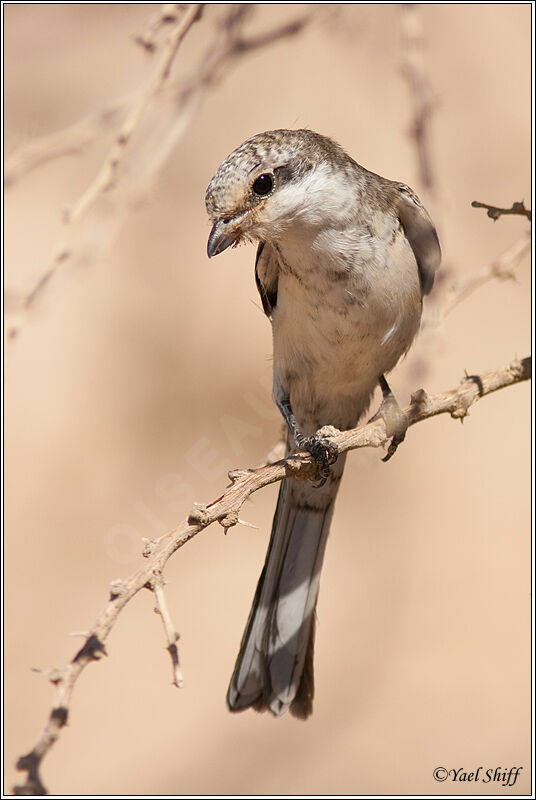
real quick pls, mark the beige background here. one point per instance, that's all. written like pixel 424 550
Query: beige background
pixel 143 375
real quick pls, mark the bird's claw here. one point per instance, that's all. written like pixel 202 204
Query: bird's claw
pixel 323 452
pixel 393 445
pixel 396 423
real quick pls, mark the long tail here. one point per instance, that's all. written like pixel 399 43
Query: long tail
pixel 274 668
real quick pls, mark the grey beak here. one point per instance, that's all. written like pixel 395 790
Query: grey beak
pixel 220 238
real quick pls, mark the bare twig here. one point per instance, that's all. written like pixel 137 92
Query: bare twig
pixel 414 71
pixel 494 212
pixel 157 585
pixel 107 175
pixel 69 141
pixel 126 168
pixel 225 510
pixel 106 179
pixel 63 681
pixel 503 268
pixel 166 14
pixel 74 139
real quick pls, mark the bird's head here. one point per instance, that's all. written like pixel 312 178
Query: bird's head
pixel 272 181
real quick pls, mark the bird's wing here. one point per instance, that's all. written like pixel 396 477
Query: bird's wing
pixel 266 276
pixel 421 234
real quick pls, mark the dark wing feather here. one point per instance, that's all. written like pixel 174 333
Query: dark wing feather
pixel 421 234
pixel 266 276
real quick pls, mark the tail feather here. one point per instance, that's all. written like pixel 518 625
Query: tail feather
pixel 274 668
pixel 302 705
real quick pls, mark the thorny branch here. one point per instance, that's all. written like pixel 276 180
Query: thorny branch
pixel 494 212
pixel 225 510
pixel 164 109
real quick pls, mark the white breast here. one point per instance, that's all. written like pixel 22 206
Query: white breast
pixel 348 307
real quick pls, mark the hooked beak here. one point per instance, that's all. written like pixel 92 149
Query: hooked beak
pixel 224 234
pixel 219 239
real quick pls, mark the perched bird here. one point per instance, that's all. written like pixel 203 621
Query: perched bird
pixel 343 261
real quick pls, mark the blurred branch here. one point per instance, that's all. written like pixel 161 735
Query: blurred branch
pixel 69 141
pixel 137 154
pixel 74 139
pixel 225 510
pixel 495 213
pixel 502 269
pixel 414 71
pixel 166 14
pixel 106 178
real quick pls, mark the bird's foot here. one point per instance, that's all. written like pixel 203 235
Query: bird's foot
pixel 396 423
pixel 323 452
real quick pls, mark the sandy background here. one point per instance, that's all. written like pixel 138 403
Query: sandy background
pixel 143 374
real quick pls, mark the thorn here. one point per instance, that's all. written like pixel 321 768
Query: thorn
pixel 54 675
pixel 247 524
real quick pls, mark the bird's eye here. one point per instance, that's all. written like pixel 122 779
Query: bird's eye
pixel 263 184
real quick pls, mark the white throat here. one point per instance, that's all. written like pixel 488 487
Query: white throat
pixel 322 198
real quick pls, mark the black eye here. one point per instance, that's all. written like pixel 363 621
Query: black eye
pixel 264 184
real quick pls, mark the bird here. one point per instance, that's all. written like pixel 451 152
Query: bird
pixel 344 259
